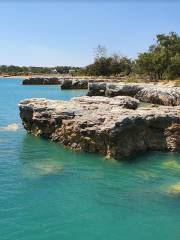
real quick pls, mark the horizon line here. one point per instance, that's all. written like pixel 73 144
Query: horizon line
pixel 89 1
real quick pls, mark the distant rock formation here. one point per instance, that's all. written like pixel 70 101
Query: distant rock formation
pixel 109 126
pixel 144 92
pixel 41 81
pixel 123 89
pixel 114 89
pixel 74 84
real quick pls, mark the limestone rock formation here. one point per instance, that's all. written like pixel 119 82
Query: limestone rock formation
pixel 123 89
pixel 160 95
pixel 149 93
pixel 103 125
pixel 74 84
pixel 125 102
pixel 96 89
pixel 41 81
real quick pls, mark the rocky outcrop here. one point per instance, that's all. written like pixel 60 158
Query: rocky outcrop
pixel 112 89
pixel 122 89
pixel 41 81
pixel 74 84
pixel 160 95
pixel 103 125
pixel 149 93
pixel 96 89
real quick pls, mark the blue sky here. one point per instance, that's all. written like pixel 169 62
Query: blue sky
pixel 59 33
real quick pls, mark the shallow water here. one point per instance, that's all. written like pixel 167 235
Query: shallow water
pixel 49 192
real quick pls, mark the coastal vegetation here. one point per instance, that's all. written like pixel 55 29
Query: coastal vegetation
pixel 160 62
pixel 17 71
pixel 108 65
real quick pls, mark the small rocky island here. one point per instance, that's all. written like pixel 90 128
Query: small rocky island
pixel 115 127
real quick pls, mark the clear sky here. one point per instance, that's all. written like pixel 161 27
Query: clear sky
pixel 60 33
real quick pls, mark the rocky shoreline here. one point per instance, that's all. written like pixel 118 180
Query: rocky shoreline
pixel 114 127
pixel 66 84
pixel 145 92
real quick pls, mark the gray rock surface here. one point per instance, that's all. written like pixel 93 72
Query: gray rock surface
pixel 96 89
pixel 103 125
pixel 123 89
pixel 160 95
pixel 149 93
pixel 74 84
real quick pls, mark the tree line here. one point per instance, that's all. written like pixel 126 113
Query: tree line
pixel 16 70
pixel 161 61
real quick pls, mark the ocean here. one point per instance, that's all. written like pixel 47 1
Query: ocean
pixel 48 192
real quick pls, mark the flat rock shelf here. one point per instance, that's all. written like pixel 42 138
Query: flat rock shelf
pixel 114 127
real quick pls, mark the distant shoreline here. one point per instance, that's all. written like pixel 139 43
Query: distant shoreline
pixel 168 83
pixel 28 76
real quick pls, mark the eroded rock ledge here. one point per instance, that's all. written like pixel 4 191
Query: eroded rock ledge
pixel 109 126
pixel 149 93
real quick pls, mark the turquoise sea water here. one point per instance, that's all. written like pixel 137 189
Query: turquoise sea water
pixel 51 193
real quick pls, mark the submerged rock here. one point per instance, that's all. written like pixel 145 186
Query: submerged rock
pixel 74 84
pixel 47 168
pixel 172 164
pixel 174 189
pixel 146 175
pixel 41 81
pixel 103 125
pixel 11 127
pixel 42 168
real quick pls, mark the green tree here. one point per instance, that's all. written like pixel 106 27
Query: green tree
pixel 173 70
pixel 162 59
